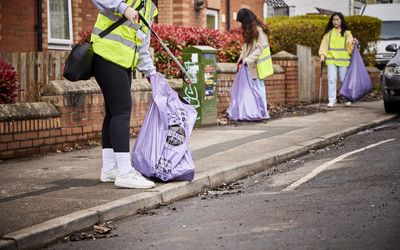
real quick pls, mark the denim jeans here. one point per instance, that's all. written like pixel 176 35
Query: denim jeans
pixel 332 79
pixel 259 84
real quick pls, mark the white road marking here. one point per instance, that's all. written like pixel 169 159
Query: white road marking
pixel 321 168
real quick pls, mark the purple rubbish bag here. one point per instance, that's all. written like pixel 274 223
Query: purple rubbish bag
pixel 356 83
pixel 161 149
pixel 246 101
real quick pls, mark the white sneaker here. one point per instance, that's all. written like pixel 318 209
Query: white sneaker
pixel 133 180
pixel 348 103
pixel 109 176
pixel 331 105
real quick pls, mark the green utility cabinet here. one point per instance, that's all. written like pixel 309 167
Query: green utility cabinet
pixel 201 64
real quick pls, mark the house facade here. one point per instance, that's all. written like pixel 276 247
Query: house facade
pixel 325 7
pixel 40 25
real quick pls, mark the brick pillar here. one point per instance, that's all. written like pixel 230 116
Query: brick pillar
pixel 226 76
pixel 289 63
pixel 165 12
pixel 275 86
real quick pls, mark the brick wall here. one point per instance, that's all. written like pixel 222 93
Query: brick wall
pixel 254 5
pixel 165 12
pixel 88 14
pixel 35 129
pixel 224 87
pixel 84 16
pixel 275 87
pixel 29 137
pixel 17 26
pixel 289 63
pixel 72 113
pixel 182 12
pixel 18 19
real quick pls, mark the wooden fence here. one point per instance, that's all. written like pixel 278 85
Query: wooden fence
pixel 35 70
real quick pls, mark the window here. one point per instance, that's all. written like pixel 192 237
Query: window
pixel 212 19
pixel 59 19
pixel 390 30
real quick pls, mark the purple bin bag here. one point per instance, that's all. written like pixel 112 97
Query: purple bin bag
pixel 246 102
pixel 161 150
pixel 356 83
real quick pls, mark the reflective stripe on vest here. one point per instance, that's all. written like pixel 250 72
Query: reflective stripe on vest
pixel 337 51
pixel 120 45
pixel 264 63
pixel 115 37
pixel 115 18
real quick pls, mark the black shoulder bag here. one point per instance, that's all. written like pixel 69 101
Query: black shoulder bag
pixel 78 65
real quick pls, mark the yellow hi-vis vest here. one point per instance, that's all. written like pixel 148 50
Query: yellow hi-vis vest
pixel 120 45
pixel 264 63
pixel 337 51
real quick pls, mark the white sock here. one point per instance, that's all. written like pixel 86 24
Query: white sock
pixel 108 159
pixel 124 164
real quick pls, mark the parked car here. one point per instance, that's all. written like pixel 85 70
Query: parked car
pixel 391 81
pixel 390 30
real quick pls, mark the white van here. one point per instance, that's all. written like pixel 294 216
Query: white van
pixel 390 33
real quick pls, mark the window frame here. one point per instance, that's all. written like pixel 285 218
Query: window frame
pixel 57 43
pixel 212 12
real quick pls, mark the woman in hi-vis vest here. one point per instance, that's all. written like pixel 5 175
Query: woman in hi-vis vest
pixel 335 50
pixel 115 56
pixel 254 33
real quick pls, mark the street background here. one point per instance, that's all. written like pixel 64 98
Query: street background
pixel 48 197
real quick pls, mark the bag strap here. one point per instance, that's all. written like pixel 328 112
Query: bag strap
pixel 112 27
pixel 118 22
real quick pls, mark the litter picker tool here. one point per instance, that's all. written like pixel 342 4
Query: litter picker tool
pixel 186 78
pixel 320 83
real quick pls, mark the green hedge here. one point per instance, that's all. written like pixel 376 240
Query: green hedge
pixel 286 32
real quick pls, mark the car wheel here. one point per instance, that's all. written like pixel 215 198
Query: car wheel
pixel 391 107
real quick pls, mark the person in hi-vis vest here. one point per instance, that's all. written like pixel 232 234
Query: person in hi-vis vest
pixel 115 56
pixel 335 50
pixel 255 50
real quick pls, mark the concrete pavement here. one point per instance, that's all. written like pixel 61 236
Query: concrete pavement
pixel 46 197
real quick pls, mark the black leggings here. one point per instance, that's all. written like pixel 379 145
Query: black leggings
pixel 115 83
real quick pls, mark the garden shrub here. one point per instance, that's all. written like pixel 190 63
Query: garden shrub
pixel 308 30
pixel 177 38
pixel 8 83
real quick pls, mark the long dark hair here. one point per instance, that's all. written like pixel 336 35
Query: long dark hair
pixel 343 24
pixel 249 23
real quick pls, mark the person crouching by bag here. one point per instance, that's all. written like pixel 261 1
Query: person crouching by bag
pixel 255 50
pixel 335 50
pixel 115 56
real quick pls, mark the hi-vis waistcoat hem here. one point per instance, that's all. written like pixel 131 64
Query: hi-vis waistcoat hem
pixel 264 63
pixel 120 45
pixel 337 52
